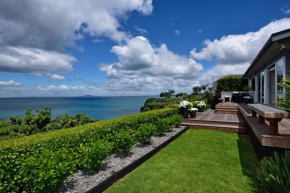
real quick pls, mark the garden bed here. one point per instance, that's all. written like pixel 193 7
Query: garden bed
pixel 116 166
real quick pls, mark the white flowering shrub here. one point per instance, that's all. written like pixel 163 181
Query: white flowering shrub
pixel 200 104
pixel 185 104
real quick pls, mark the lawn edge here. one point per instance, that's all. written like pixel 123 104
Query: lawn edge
pixel 129 168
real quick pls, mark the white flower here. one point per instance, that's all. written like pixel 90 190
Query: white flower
pixel 200 103
pixel 193 109
pixel 185 104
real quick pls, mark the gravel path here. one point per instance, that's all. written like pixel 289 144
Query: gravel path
pixel 82 182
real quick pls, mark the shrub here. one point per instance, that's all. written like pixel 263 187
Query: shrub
pixel 284 101
pixel 124 141
pixel 92 154
pixel 145 132
pixel 46 172
pixel 14 153
pixel 39 122
pixel 274 173
pixel 158 103
pixel 163 125
pixel 230 83
pixel 177 120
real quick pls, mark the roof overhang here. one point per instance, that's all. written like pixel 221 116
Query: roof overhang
pixel 274 45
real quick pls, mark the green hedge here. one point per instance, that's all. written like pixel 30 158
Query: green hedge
pixel 41 162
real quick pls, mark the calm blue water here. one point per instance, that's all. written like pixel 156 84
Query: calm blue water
pixel 94 107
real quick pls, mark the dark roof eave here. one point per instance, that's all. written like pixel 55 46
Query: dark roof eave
pixel 262 51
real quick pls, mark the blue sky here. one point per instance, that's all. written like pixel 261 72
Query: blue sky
pixel 129 47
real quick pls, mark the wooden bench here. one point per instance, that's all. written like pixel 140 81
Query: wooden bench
pixel 271 114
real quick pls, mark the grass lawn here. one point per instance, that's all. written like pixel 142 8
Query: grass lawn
pixel 198 161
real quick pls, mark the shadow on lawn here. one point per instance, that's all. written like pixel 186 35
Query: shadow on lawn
pixel 248 160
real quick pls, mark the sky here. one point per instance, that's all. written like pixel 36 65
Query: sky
pixel 129 47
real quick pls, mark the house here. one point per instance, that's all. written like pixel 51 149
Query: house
pixel 270 66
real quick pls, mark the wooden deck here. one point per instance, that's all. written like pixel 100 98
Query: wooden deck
pixel 217 121
pixel 262 131
pixel 233 117
pixel 227 108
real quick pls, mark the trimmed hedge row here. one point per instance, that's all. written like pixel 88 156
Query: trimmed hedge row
pixel 41 162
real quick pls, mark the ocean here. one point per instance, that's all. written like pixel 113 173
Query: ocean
pixel 95 107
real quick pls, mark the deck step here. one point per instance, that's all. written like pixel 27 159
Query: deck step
pixel 227 111
pixel 220 127
pixel 221 107
pixel 232 123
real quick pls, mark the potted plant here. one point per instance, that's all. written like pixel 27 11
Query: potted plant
pixel 192 112
pixel 200 105
pixel 184 106
pixel 247 99
pixel 227 99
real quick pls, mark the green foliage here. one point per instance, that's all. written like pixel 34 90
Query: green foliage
pixel 64 146
pixel 124 141
pixel 230 83
pixel 167 94
pixel 39 122
pixel 47 171
pixel 157 103
pixel 93 153
pixel 67 121
pixel 274 173
pixel 284 101
pixel 177 119
pixel 164 125
pixel 196 89
pixel 40 119
pixel 145 132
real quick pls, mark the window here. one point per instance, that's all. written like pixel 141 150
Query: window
pixel 280 75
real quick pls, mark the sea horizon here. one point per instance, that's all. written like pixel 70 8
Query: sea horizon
pixel 101 107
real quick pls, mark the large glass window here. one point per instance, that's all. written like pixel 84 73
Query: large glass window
pixel 280 75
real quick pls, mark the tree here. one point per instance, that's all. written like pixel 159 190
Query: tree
pixel 179 95
pixel 162 94
pixel 171 92
pixel 196 89
pixel 202 87
pixel 284 101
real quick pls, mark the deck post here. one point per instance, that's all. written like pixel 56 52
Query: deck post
pixel 261 120
pixel 254 114
pixel 274 126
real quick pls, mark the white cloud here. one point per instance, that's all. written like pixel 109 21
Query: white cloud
pixel 139 58
pixel 32 60
pixel 35 33
pixel 97 40
pixel 286 10
pixel 142 31
pixel 79 78
pixel 199 31
pixel 55 76
pixel 177 32
pixel 236 49
pixel 9 83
